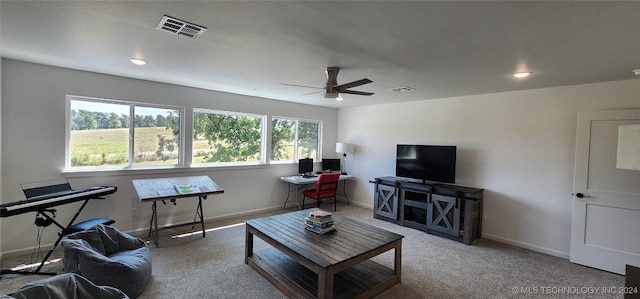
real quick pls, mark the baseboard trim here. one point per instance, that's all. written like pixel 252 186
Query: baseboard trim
pixel 361 204
pixel 548 251
pixel 560 254
pixel 139 232
pixel 536 248
pixel 20 252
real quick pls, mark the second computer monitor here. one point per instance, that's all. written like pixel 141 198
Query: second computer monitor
pixel 331 164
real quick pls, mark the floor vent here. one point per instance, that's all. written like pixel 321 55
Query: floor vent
pixel 179 27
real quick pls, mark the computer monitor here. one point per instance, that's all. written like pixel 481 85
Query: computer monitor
pixel 305 166
pixel 331 164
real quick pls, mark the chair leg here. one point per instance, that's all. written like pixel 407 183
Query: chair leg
pixel 303 197
pixel 335 204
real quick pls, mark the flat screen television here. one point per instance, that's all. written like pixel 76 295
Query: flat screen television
pixel 305 166
pixel 429 163
pixel 331 164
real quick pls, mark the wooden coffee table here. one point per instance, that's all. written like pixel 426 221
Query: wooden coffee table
pixel 303 264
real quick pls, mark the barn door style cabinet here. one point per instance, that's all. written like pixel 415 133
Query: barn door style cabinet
pixel 447 210
pixel 386 202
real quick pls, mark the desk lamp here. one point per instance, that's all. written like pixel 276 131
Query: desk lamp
pixel 344 149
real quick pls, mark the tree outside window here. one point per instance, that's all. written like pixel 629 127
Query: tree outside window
pixel 293 139
pixel 227 137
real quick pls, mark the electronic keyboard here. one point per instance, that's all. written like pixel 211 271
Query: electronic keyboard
pixel 39 203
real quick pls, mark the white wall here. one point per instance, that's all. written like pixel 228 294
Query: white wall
pixel 518 146
pixel 1 142
pixel 33 138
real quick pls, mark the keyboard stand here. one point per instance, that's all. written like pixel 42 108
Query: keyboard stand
pixel 61 234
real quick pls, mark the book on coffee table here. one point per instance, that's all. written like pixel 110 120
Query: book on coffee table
pixel 319 230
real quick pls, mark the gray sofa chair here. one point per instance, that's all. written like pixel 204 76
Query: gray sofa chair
pixel 107 256
pixel 65 286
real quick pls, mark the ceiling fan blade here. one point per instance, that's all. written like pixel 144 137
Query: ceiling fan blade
pixel 343 87
pixel 296 85
pixel 361 93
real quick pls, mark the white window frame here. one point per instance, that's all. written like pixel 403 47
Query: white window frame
pixel 295 141
pixel 132 105
pixel 263 137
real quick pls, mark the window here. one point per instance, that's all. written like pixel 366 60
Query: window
pixel 293 139
pixel 221 137
pixel 103 134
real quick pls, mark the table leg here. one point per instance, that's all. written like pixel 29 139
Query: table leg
pixel 248 245
pixel 296 189
pixel 398 261
pixel 325 284
pixel 297 199
pixel 200 198
pixel 344 190
pixel 288 193
pixel 153 225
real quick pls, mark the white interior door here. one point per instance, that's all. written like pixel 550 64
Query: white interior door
pixel 605 227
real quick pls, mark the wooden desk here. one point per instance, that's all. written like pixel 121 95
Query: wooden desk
pixel 297 182
pixel 303 264
pixel 154 190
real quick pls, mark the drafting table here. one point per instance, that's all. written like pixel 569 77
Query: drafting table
pixel 154 190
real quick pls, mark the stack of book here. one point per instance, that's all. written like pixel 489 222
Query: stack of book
pixel 319 221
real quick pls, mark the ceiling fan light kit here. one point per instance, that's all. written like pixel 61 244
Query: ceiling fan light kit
pixel 330 95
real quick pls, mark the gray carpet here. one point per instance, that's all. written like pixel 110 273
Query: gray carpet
pixel 432 267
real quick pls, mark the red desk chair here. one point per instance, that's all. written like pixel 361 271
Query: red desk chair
pixel 326 188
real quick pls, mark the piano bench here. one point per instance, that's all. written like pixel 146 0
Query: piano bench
pixel 87 224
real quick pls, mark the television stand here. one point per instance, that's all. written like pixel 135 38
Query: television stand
pixel 448 210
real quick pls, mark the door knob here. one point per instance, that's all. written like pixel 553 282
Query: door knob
pixel 580 195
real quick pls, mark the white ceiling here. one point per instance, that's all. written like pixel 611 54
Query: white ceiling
pixel 442 49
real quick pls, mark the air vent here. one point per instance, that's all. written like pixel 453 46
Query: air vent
pixel 179 27
pixel 402 89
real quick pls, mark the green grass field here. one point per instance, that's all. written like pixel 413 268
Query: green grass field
pixel 111 147
pixel 103 147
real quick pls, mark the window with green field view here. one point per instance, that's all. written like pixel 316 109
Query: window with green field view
pixel 293 139
pixel 119 134
pixel 222 137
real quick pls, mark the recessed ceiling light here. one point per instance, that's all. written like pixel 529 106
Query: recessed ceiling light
pixel 522 74
pixel 138 61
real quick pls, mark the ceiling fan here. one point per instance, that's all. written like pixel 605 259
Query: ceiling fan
pixel 332 90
